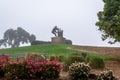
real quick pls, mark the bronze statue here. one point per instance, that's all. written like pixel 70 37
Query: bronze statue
pixel 60 33
pixel 57 32
pixel 54 31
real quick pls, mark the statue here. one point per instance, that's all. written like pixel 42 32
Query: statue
pixel 60 33
pixel 57 32
pixel 59 39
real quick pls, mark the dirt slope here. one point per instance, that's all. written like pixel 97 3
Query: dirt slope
pixel 109 51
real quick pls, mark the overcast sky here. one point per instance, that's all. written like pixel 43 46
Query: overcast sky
pixel 76 17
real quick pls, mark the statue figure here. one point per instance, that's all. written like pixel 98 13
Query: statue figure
pixel 57 32
pixel 60 33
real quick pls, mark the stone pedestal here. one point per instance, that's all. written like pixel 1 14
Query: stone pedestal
pixel 58 40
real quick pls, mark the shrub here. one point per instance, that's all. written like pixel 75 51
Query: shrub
pixel 75 54
pixel 50 70
pixel 68 42
pixel 106 75
pixel 79 71
pixel 1 70
pixel 32 70
pixel 97 63
pixel 87 59
pixel 61 58
pixel 53 57
pixel 4 58
pixel 72 59
pixel 39 42
pixel 36 57
pixel 22 70
pixel 84 54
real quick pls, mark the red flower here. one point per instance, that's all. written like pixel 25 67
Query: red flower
pixel 40 68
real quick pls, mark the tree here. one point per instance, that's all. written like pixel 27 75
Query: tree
pixel 109 21
pixel 14 37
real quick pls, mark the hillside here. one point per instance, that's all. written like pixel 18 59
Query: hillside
pixel 108 51
pixel 45 49
pixel 65 50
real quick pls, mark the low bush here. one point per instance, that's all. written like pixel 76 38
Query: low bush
pixel 97 63
pixel 68 42
pixel 50 70
pixel 36 57
pixel 39 42
pixel 79 71
pixel 73 59
pixel 87 59
pixel 20 70
pixel 1 70
pixel 53 57
pixel 61 58
pixel 84 54
pixel 106 75
pixel 4 58
pixel 75 54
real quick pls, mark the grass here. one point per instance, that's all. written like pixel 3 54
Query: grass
pixel 50 49
pixel 45 48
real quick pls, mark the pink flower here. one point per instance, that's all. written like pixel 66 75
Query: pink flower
pixel 47 69
pixel 17 58
pixel 33 71
pixel 30 75
pixel 40 68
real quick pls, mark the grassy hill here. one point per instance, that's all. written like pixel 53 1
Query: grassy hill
pixel 108 51
pixel 44 48
pixel 51 49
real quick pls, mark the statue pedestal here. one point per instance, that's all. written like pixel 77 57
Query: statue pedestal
pixel 58 40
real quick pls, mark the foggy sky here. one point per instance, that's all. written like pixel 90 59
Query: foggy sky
pixel 76 17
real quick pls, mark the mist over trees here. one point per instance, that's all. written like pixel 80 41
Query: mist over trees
pixel 109 21
pixel 13 37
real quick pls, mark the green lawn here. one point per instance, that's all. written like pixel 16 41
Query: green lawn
pixel 49 49
pixel 45 48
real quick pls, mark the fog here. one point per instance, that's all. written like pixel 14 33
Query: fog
pixel 76 18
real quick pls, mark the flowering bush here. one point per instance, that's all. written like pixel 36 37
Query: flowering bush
pixel 4 58
pixel 106 75
pixel 18 70
pixel 1 70
pixel 79 71
pixel 32 70
pixel 27 69
pixel 48 69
